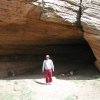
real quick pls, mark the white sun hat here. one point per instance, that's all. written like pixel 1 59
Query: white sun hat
pixel 47 56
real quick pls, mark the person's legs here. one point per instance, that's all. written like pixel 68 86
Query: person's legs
pixel 47 76
pixel 50 75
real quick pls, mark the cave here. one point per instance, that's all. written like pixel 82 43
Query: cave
pixel 66 58
pixel 30 29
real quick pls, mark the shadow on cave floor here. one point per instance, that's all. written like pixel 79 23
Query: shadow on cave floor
pixel 75 62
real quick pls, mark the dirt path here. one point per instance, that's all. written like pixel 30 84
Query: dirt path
pixel 32 87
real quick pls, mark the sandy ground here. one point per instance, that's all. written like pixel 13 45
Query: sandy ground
pixel 64 87
pixel 75 78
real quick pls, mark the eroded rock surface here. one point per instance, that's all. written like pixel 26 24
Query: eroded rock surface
pixel 61 11
pixel 30 26
pixel 91 25
pixel 13 11
pixel 91 16
pixel 26 23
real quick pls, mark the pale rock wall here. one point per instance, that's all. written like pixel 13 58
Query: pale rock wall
pixel 91 25
pixel 65 12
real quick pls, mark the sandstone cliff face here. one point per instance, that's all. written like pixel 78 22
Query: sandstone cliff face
pixel 61 11
pixel 13 11
pixel 91 16
pixel 91 25
pixel 29 26
pixel 25 23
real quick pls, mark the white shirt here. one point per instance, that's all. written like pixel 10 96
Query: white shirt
pixel 48 64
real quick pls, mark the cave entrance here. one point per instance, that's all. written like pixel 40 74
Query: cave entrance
pixel 75 58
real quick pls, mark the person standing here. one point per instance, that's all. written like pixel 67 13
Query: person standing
pixel 48 67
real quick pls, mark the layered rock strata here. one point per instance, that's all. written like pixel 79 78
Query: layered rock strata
pixel 61 11
pixel 25 23
pixel 26 26
pixel 91 25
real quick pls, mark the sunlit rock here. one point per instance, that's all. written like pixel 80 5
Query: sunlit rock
pixel 91 25
pixel 23 23
pixel 61 11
